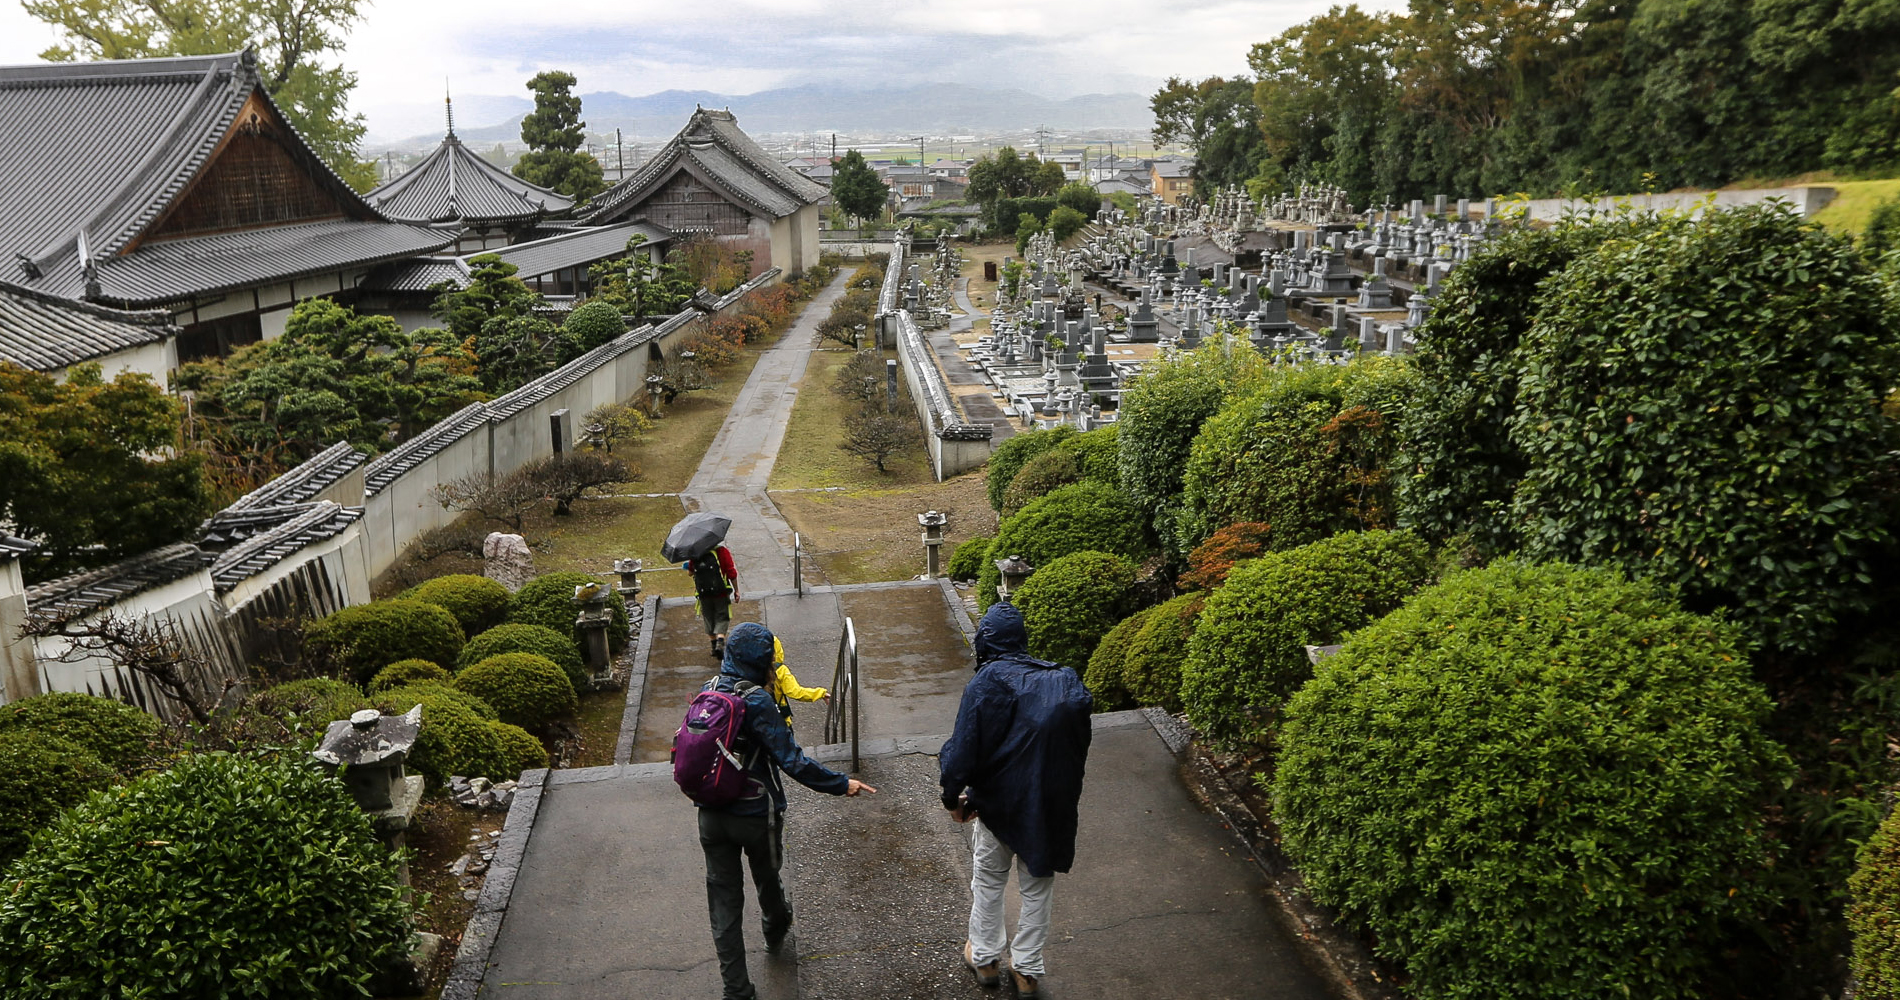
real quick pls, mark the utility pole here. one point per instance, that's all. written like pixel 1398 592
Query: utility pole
pixel 620 156
pixel 834 147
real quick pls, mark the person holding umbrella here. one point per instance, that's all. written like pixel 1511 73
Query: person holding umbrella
pixel 696 540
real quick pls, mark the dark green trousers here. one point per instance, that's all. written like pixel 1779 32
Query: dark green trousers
pixel 724 837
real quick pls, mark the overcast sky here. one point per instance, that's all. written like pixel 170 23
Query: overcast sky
pixel 404 49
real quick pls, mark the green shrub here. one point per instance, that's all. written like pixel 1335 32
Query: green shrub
pixel 1248 655
pixel 1097 453
pixel 442 689
pixel 1307 452
pixel 1875 914
pixel 1151 668
pixel 1534 780
pixel 1074 518
pixel 41 773
pixel 526 690
pixel 318 701
pixel 1010 457
pixel 1103 677
pixel 455 738
pixel 222 877
pixel 967 561
pixel 366 638
pixel 520 751
pixel 548 601
pixel 536 639
pixel 1737 363
pixel 590 325
pixel 1069 604
pixel 407 672
pixel 115 732
pixel 477 602
pixel 1161 411
pixel 1048 471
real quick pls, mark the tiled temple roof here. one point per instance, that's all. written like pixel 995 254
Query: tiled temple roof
pixel 46 333
pixel 714 143
pixel 455 185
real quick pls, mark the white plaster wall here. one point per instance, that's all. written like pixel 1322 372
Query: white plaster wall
pixel 156 360
pixel 1807 200
pixel 18 676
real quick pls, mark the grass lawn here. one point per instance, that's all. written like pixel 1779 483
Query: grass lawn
pixel 870 536
pixel 810 457
pixel 1854 202
pixel 680 438
pixel 598 722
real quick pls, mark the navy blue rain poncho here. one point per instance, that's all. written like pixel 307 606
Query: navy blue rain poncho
pixel 749 658
pixel 1021 742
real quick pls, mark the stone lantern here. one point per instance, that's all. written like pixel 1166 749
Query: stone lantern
pixel 656 388
pixel 629 570
pixel 933 522
pixel 591 625
pixel 1014 570
pixel 371 747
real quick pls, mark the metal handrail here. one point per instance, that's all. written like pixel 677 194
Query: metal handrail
pixel 798 564
pixel 844 685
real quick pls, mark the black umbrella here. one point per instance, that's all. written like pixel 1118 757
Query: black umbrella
pixel 695 535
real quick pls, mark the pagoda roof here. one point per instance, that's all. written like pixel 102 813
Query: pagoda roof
pixel 96 155
pixel 713 145
pixel 46 333
pixel 455 185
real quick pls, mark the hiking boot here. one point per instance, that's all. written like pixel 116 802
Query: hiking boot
pixel 718 647
pixel 986 974
pixel 1025 986
pixel 774 940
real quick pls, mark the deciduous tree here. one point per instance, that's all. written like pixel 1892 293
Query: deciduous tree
pixel 855 187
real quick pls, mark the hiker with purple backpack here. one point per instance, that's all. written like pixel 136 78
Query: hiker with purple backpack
pixel 727 757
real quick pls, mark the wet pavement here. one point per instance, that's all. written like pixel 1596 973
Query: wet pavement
pixel 679 663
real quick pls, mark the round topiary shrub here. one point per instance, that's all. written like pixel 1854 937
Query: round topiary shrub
pixel 1161 411
pixel 1051 469
pixel 521 638
pixel 1151 667
pixel 1248 654
pixel 1103 677
pixel 1075 518
pixel 40 775
pixel 1097 454
pixel 117 733
pixel 1874 915
pixel 966 563
pixel 407 672
pixel 455 738
pixel 520 751
pixel 224 876
pixel 477 602
pixel 1009 458
pixel 317 701
pixel 526 690
pixel 1071 603
pixel 366 638
pixel 590 325
pixel 445 689
pixel 548 601
pixel 1534 780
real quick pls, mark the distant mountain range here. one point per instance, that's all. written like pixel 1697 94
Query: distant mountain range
pixel 931 108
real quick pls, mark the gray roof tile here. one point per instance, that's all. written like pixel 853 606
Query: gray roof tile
pixel 303 483
pixel 714 141
pixel 576 247
pixel 455 185
pixel 82 593
pixel 297 528
pixel 46 333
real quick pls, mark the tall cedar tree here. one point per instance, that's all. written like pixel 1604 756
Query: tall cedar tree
pixel 554 133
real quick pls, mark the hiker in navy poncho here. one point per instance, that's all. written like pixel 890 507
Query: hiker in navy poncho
pixel 754 825
pixel 1015 765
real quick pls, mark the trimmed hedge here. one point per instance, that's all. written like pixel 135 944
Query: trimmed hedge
pixel 1103 677
pixel 446 689
pixel 966 563
pixel 1161 411
pixel 318 701
pixel 1248 654
pixel 1048 471
pixel 548 601
pixel 523 638
pixel 1075 518
pixel 526 690
pixel 222 877
pixel 117 733
pixel 1069 604
pixel 455 738
pixel 1151 668
pixel 368 637
pixel 1535 780
pixel 1097 453
pixel 1009 458
pixel 477 602
pixel 407 672
pixel 520 751
pixel 1874 915
pixel 590 325
pixel 40 775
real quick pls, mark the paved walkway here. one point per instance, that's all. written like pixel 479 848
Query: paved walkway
pixel 731 477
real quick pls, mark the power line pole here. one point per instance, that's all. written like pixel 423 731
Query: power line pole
pixel 620 155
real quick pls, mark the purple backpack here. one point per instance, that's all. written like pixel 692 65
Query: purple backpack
pixel 704 765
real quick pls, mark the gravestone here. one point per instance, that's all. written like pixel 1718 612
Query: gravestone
pixel 507 560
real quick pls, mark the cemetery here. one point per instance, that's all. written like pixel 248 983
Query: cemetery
pixel 1479 595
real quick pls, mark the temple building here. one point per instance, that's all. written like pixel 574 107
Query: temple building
pixel 455 190
pixel 177 185
pixel 712 178
pixel 50 334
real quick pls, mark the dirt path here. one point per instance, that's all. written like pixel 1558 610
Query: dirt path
pixel 731 478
